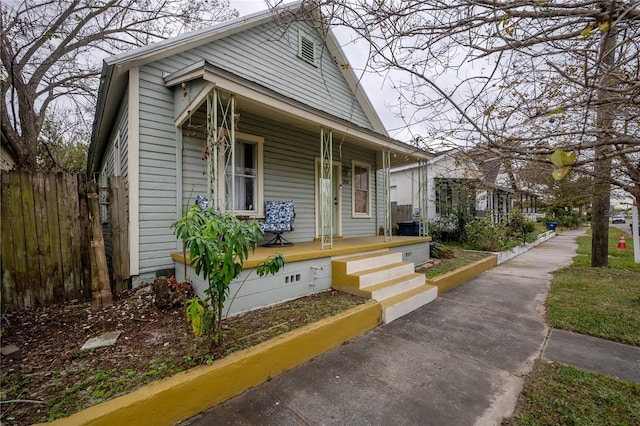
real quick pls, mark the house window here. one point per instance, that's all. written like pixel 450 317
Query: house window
pixel 243 176
pixel 306 48
pixel 361 178
pixel 455 196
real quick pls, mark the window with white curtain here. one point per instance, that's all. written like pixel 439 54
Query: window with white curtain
pixel 361 178
pixel 246 181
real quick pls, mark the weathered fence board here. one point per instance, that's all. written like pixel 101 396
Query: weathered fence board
pixel 85 229
pixel 9 293
pixel 119 233
pixel 100 286
pixel 53 230
pixel 401 213
pixel 42 239
pixel 23 286
pixel 45 239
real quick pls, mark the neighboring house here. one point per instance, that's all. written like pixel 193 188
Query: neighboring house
pixel 261 108
pixel 499 185
pixel 459 182
pixel 506 193
pixel 452 182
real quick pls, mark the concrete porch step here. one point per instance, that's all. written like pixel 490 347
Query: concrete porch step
pixel 408 301
pixel 379 274
pixel 385 278
pixel 354 264
pixel 390 288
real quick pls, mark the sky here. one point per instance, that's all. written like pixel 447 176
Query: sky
pixel 379 90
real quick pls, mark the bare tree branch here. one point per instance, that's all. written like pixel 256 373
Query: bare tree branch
pixel 50 51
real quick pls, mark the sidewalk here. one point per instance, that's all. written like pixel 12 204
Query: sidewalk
pixel 458 361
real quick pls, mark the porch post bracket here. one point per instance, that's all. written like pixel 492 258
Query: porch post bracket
pixel 423 198
pixel 326 183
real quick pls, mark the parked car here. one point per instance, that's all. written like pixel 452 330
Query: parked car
pixel 618 219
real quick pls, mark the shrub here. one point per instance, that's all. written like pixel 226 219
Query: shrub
pixel 481 234
pixel 450 228
pixel 519 227
pixel 218 245
pixel 563 217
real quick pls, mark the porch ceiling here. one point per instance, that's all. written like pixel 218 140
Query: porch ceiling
pixel 256 99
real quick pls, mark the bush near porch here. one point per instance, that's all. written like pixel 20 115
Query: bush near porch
pixel 481 234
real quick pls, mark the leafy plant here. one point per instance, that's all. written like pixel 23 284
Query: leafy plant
pixel 450 227
pixel 218 245
pixel 195 313
pixel 481 234
pixel 521 228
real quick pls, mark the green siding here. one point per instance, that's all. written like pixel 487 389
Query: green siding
pixel 157 199
pixel 267 57
pixel 289 172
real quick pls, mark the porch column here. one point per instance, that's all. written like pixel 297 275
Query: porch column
pixel 212 148
pixel 423 197
pixel 386 192
pixel 326 183
pixel 221 150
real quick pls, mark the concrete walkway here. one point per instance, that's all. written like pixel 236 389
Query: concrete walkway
pixel 457 361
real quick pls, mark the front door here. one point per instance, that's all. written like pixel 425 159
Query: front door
pixel 322 190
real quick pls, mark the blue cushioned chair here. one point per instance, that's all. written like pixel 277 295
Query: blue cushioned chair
pixel 278 219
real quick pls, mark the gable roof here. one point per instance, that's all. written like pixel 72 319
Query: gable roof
pixel 115 70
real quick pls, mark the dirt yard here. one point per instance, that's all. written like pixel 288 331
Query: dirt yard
pixel 52 378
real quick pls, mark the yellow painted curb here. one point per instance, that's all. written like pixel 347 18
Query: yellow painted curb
pixel 188 393
pixel 453 279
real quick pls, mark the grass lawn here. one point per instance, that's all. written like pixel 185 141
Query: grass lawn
pixel 462 258
pixel 555 394
pixel 601 302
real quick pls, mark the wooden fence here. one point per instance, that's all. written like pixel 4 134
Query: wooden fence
pixel 119 234
pixel 401 213
pixel 45 226
pixel 46 239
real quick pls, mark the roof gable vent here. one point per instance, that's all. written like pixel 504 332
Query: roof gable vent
pixel 306 48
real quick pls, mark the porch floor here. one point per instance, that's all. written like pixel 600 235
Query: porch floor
pixel 312 249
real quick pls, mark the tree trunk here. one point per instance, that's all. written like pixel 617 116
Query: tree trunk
pixel 25 144
pixel 601 196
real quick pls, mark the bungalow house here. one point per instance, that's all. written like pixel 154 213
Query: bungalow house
pixel 507 193
pixel 451 182
pixel 261 108
pixel 456 181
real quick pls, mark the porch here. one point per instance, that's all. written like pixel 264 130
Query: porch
pixel 310 269
pixel 341 247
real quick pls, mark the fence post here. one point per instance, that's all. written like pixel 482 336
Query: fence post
pixel 85 235
pixel 9 249
pixel 101 289
pixel 119 233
